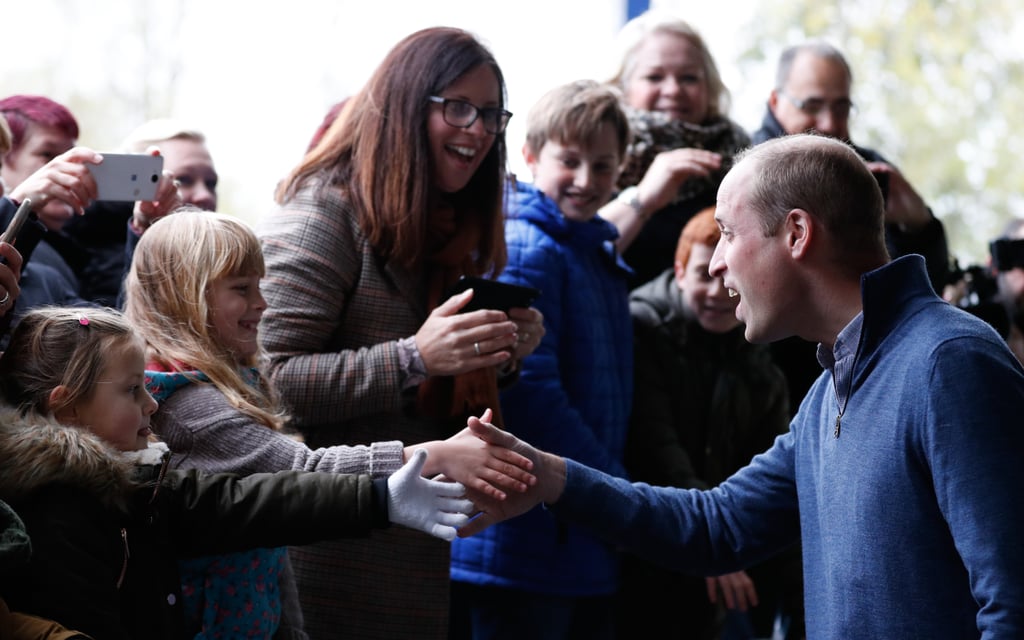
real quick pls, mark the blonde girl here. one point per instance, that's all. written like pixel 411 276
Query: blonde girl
pixel 193 293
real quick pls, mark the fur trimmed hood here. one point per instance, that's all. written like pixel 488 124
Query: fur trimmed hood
pixel 38 452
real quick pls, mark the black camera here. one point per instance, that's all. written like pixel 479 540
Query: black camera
pixel 980 295
pixel 1007 254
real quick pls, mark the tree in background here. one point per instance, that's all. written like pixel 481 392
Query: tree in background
pixel 939 88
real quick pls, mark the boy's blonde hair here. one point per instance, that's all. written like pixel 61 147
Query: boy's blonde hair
pixel 166 300
pixel 574 112
pixel 60 346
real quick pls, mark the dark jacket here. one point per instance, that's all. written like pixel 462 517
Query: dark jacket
pixel 15 551
pixel 102 234
pixel 107 533
pixel 704 403
pixel 47 272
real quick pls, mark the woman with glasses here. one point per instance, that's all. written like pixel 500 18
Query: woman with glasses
pixel 401 197
pixel 683 142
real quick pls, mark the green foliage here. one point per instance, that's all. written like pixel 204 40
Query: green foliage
pixel 939 86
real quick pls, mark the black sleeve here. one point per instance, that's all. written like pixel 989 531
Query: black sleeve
pixel 31 233
pixel 220 513
pixel 131 241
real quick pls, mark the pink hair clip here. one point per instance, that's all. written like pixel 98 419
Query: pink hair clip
pixel 83 320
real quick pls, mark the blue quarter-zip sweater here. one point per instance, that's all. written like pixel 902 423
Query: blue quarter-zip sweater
pixel 911 519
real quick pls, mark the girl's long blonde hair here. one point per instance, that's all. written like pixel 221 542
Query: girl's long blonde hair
pixel 166 302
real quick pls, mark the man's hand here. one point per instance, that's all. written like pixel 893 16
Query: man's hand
pixel 549 470
pixel 165 201
pixel 903 206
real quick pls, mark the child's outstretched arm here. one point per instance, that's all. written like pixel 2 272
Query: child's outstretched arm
pixel 432 506
pixel 481 466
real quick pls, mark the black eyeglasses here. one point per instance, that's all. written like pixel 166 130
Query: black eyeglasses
pixel 840 108
pixel 462 114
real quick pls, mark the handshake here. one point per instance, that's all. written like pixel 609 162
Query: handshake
pixel 484 476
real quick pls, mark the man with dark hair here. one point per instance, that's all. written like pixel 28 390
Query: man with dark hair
pixel 900 473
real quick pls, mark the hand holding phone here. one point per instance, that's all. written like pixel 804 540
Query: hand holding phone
pixel 492 294
pixel 127 176
pixel 10 234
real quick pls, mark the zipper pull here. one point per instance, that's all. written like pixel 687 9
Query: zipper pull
pixel 839 425
pixel 127 555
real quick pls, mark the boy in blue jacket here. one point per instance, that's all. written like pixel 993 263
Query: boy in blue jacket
pixel 536 577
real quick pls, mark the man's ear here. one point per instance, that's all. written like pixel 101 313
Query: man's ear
pixel 58 398
pixel 773 100
pixel 799 232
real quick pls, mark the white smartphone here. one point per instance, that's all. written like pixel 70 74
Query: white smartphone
pixel 127 176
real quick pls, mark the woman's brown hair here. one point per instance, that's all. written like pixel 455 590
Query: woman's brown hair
pixel 378 150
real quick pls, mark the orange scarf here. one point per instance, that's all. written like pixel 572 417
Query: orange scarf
pixel 466 394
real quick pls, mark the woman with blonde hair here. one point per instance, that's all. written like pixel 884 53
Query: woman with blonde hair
pixel 683 141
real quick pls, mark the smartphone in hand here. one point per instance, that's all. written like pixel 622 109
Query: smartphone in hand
pixel 10 234
pixel 127 176
pixel 492 294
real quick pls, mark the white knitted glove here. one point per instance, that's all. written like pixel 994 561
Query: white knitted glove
pixel 432 506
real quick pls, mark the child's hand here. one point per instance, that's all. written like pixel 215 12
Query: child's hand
pixel 549 470
pixel 431 506
pixel 481 466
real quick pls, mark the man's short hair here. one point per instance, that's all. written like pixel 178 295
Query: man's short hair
pixel 819 49
pixel 824 177
pixel 574 112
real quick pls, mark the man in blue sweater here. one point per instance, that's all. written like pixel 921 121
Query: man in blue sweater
pixel 813 85
pixel 903 468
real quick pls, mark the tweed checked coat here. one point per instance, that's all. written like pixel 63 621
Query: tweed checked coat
pixel 335 313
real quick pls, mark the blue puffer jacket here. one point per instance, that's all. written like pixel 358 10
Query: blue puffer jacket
pixel 573 397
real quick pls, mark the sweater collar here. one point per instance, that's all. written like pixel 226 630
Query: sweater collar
pixel 891 293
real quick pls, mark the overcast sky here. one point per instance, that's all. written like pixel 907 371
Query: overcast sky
pixel 257 78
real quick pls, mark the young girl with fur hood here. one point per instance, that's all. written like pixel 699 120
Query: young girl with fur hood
pixel 193 294
pixel 107 517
